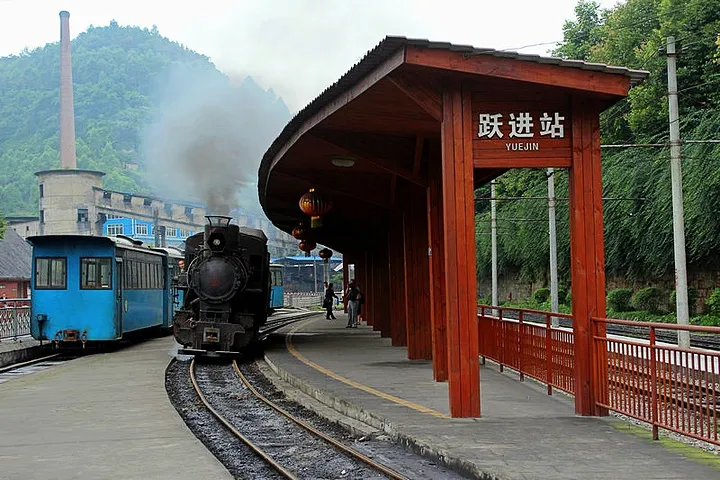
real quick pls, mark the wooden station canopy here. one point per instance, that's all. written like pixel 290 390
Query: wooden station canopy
pixel 398 146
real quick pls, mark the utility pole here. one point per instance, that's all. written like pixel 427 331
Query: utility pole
pixel 681 293
pixel 554 303
pixel 493 232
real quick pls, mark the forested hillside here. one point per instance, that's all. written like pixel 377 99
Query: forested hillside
pixel 119 76
pixel 638 223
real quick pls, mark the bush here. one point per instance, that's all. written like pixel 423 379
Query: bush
pixel 562 295
pixel 541 295
pixel 568 298
pixel 692 300
pixel 648 299
pixel 712 304
pixel 619 299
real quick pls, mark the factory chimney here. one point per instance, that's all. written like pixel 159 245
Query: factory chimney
pixel 67 112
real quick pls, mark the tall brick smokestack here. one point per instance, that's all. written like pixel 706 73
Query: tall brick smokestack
pixel 67 112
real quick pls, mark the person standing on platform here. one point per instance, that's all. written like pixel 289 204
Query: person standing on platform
pixel 328 302
pixel 353 304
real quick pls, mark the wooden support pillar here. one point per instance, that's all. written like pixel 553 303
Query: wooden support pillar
pixel 346 280
pixel 437 268
pixel 381 284
pixel 365 287
pixel 417 290
pixel 587 256
pixel 396 264
pixel 459 253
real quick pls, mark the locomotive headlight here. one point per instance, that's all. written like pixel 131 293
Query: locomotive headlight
pixel 216 240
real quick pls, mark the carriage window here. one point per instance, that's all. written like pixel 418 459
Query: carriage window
pixel 95 273
pixel 50 273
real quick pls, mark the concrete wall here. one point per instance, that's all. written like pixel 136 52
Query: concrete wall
pixel 26 229
pixel 63 193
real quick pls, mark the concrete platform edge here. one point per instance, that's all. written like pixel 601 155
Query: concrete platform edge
pixel 23 355
pixel 358 413
pixel 356 427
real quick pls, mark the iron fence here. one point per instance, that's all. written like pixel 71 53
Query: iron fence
pixel 14 318
pixel 658 383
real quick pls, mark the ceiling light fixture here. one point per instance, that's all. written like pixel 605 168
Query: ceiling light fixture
pixel 342 161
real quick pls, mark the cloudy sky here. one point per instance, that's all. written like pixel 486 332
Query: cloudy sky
pixel 296 47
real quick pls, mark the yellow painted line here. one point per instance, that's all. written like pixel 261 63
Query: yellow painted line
pixel 291 348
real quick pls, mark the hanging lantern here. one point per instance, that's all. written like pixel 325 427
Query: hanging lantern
pixel 325 254
pixel 314 205
pixel 307 246
pixel 300 232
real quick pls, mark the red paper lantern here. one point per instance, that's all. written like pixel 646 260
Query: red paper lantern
pixel 300 232
pixel 307 246
pixel 314 205
pixel 325 254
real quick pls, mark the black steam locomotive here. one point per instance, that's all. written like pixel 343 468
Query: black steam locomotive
pixel 226 288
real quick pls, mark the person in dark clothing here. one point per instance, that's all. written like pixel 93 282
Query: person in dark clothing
pixel 328 302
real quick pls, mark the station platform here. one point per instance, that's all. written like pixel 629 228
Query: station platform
pixel 102 416
pixel 20 349
pixel 523 433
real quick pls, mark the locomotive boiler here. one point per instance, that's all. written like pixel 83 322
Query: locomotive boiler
pixel 227 289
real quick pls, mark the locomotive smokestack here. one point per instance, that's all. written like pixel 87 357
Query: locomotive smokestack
pixel 67 112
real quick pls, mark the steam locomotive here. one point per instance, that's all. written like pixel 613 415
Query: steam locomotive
pixel 227 289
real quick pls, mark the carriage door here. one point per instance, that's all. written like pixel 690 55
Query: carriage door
pixel 119 298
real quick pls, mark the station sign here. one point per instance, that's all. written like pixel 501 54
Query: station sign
pixel 535 133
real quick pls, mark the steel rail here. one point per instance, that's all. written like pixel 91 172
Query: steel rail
pixel 234 431
pixel 29 362
pixel 343 448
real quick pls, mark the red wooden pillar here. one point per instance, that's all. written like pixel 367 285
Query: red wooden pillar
pixel 437 269
pixel 381 297
pixel 396 264
pixel 417 290
pixel 365 287
pixel 346 279
pixel 459 253
pixel 587 256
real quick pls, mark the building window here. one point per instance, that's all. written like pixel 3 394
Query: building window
pixel 107 196
pixel 111 216
pixel 170 232
pixel 95 273
pixel 82 215
pixel 42 216
pixel 147 202
pixel 115 229
pixel 127 198
pixel 141 229
pixel 42 190
pixel 50 273
pixel 188 211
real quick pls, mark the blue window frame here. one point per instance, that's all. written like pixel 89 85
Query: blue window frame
pixel 95 273
pixel 50 273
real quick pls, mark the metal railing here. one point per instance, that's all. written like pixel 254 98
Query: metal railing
pixel 658 383
pixel 528 345
pixel 303 300
pixel 14 318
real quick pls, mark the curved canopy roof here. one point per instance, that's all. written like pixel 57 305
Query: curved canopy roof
pixel 385 113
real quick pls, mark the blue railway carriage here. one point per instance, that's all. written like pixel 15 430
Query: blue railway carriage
pixel 173 266
pixel 277 291
pixel 96 289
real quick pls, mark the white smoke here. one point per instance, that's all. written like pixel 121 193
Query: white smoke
pixel 206 142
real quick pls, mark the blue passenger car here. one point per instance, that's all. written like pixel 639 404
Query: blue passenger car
pixel 96 289
pixel 173 265
pixel 276 287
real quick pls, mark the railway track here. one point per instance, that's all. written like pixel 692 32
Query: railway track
pixel 696 340
pixel 293 448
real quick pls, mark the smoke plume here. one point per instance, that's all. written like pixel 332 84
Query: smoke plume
pixel 206 142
